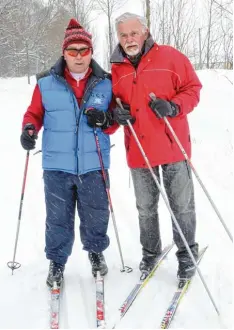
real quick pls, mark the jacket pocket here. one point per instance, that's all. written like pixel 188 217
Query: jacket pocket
pixel 168 134
pixel 188 169
pixel 127 136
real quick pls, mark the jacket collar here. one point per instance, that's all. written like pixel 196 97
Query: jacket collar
pixel 119 55
pixel 59 67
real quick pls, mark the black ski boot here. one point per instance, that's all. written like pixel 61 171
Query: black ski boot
pixel 98 263
pixel 55 274
pixel 186 269
pixel 148 262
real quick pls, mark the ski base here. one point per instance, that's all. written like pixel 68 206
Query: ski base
pixel 100 302
pixel 182 287
pixel 55 306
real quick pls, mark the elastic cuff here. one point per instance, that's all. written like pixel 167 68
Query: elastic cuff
pixel 175 109
pixel 108 120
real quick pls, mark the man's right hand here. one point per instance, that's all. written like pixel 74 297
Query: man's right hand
pixel 122 115
pixel 28 137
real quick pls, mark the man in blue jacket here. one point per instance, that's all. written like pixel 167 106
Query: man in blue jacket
pixel 70 101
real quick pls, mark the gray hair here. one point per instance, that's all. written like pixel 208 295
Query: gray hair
pixel 126 16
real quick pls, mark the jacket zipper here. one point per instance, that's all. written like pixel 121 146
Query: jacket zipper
pixel 90 87
pixel 63 81
pixel 93 84
pixel 168 135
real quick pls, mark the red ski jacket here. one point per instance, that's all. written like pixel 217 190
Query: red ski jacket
pixel 170 76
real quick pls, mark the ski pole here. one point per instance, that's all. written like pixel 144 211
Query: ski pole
pixel 13 264
pixel 170 210
pixel 153 97
pixel 124 268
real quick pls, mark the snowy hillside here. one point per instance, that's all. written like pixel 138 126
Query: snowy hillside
pixel 24 296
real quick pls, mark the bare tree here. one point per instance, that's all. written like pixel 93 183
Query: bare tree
pixel 217 35
pixel 106 48
pixel 31 30
pixel 207 39
pixel 208 51
pixel 173 23
pixel 226 7
pixel 4 6
pixel 109 7
pixel 31 38
pixel 27 46
pixel 82 10
pixel 146 8
pixel 226 32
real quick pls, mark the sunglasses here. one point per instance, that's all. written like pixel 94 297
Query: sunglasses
pixel 82 51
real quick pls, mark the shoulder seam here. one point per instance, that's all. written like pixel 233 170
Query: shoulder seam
pixel 42 74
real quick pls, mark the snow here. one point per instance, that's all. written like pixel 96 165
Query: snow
pixel 24 296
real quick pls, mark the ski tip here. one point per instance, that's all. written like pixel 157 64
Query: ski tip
pixel 144 275
pixel 168 247
pixel 101 325
pixel 202 251
pixel 205 248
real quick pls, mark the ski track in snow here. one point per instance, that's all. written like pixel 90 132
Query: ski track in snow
pixel 24 300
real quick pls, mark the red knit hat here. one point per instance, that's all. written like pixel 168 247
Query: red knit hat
pixel 76 33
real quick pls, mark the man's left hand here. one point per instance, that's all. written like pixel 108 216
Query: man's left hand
pixel 98 118
pixel 164 108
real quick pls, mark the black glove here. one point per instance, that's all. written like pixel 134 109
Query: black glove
pixel 98 118
pixel 164 108
pixel 28 142
pixel 122 115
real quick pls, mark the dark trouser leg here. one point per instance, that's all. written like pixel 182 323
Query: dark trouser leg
pixel 178 184
pixel 93 209
pixel 147 197
pixel 60 198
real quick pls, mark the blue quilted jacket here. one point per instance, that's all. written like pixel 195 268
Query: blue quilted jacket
pixel 68 143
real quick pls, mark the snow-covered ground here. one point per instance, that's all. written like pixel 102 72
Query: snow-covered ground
pixel 24 296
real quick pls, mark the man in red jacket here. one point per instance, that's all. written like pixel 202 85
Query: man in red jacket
pixel 139 67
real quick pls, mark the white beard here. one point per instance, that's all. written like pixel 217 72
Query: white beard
pixel 132 52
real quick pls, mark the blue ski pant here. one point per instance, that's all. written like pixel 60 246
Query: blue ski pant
pixel 65 191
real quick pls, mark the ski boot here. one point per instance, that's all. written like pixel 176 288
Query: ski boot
pixel 147 263
pixel 186 268
pixel 55 274
pixel 98 263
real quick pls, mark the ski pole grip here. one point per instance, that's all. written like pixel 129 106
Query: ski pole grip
pixel 152 96
pixel 118 101
pixel 87 109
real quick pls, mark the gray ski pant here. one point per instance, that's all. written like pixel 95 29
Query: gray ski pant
pixel 178 184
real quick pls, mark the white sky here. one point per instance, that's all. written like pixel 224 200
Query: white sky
pixel 133 6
